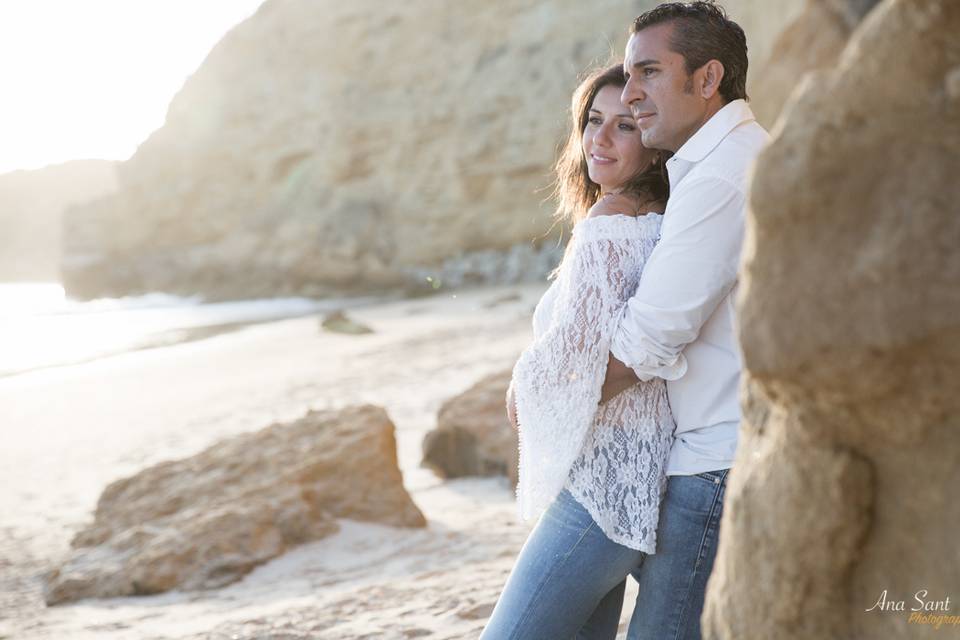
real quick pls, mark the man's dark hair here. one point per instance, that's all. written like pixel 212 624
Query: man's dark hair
pixel 703 32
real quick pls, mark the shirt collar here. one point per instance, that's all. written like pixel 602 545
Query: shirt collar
pixel 714 131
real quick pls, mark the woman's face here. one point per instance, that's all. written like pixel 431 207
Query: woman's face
pixel 611 142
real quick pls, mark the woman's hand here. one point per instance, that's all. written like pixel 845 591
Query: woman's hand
pixel 512 408
pixel 612 204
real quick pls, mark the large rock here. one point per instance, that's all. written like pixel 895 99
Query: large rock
pixel 841 493
pixel 812 41
pixel 327 146
pixel 31 206
pixel 206 521
pixel 473 436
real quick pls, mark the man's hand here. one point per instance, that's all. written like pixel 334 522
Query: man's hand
pixel 611 204
pixel 619 378
pixel 512 408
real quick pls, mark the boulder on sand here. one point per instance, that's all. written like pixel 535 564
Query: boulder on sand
pixel 206 521
pixel 473 436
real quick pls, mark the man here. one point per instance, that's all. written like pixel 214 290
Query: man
pixel 686 67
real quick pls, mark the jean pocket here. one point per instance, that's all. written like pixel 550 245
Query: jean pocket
pixel 714 477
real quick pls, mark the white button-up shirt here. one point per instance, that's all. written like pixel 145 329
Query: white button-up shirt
pixel 679 325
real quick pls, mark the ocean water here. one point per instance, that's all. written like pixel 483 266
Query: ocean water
pixel 41 327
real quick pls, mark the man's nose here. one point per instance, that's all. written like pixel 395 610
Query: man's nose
pixel 631 93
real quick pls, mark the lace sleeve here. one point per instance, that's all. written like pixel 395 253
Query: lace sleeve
pixel 557 379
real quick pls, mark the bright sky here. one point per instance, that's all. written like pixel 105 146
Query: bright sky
pixel 93 78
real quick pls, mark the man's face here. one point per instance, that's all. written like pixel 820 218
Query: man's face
pixel 661 96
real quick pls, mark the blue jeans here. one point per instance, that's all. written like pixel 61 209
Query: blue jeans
pixel 569 579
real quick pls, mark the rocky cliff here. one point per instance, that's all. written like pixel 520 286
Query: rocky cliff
pixel 31 206
pixel 327 146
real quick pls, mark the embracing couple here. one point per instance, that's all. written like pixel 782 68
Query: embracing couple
pixel 626 402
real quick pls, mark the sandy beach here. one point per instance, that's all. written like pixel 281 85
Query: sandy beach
pixel 69 431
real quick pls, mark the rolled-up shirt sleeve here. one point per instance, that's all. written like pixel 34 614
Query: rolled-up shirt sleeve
pixel 692 268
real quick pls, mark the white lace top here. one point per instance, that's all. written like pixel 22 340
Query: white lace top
pixel 612 458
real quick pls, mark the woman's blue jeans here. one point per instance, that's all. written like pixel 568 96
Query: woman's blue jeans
pixel 569 579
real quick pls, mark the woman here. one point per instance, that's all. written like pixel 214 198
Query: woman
pixel 598 470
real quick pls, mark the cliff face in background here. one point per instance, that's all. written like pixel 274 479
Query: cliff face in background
pixel 848 324
pixel 31 204
pixel 325 146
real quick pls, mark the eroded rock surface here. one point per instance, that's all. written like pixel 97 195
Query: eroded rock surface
pixel 205 521
pixel 812 41
pixel 850 328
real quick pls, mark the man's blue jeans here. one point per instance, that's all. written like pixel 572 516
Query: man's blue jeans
pixel 569 579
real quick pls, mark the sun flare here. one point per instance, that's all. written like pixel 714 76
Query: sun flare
pixel 93 79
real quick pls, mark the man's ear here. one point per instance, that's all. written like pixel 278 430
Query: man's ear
pixel 711 78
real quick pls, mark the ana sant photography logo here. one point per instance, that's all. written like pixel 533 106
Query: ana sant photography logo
pixel 920 609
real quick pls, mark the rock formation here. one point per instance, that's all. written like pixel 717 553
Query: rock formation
pixel 31 206
pixel 473 437
pixel 206 521
pixel 339 322
pixel 812 41
pixel 328 146
pixel 841 493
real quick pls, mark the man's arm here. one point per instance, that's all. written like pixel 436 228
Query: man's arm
pixel 692 268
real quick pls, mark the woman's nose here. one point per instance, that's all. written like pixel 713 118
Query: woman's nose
pixel 602 136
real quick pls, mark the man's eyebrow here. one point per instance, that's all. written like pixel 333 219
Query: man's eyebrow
pixel 644 63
